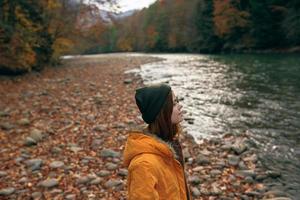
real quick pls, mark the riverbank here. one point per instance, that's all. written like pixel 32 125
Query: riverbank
pixel 63 132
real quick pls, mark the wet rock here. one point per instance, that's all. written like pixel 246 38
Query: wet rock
pixel 24 122
pixel 103 173
pixel 57 164
pixel 195 192
pixel 6 126
pixel 242 165
pixel 113 183
pixel 123 172
pixel 4 113
pixel 105 153
pixel 249 179
pixel 202 160
pixel 34 164
pixel 7 191
pixel 49 183
pixel 111 166
pixel 233 160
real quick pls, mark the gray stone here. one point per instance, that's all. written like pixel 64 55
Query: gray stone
pixel 70 197
pixel 83 180
pixel 96 143
pixel 249 179
pixel 96 181
pixel 103 173
pixel 24 122
pixel 36 195
pixel 37 135
pixel 4 113
pixel 29 141
pixel 98 99
pixel 242 165
pixel 3 173
pixel 233 160
pixel 49 183
pixel 34 164
pixel 6 126
pixel 245 173
pixel 111 166
pixel 75 149
pixel 194 180
pixel 215 172
pixel 202 160
pixel 23 180
pixel 186 153
pixel 7 191
pixel 100 128
pixel 195 192
pixel 105 153
pixel 56 150
pixel 239 148
pixel 113 183
pixel 57 164
pixel 273 174
pixel 127 81
pixel 123 172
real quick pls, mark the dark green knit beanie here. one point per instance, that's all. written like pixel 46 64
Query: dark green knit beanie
pixel 150 100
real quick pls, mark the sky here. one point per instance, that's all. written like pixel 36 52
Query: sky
pixel 126 5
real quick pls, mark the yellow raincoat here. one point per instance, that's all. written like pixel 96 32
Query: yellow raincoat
pixel 154 173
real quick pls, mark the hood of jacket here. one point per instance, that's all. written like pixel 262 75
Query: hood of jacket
pixel 139 143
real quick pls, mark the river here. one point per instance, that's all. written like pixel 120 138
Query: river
pixel 254 93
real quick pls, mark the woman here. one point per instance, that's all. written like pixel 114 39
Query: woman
pixel 154 156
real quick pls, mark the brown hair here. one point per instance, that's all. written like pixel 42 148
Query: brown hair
pixel 162 126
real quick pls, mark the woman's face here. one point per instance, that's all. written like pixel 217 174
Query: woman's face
pixel 176 116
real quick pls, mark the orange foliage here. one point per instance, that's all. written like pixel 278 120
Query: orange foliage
pixel 152 35
pixel 226 17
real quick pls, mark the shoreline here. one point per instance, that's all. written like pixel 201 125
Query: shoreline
pixel 64 131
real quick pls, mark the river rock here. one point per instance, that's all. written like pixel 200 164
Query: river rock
pixel 70 197
pixel 49 183
pixel 29 141
pixel 233 160
pixel 113 183
pixel 215 172
pixel 273 174
pixel 195 192
pixel 6 126
pixel 105 153
pixel 103 173
pixel 100 128
pixel 96 181
pixel 111 166
pixel 7 191
pixel 96 143
pixel 127 81
pixel 36 195
pixel 239 148
pixel 57 164
pixel 3 173
pixel 24 122
pixel 36 134
pixel 194 180
pixel 34 164
pixel 123 172
pixel 202 160
pixel 83 180
pixel 245 173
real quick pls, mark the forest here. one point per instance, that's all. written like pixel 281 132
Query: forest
pixel 35 34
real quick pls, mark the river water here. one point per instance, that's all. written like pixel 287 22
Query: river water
pixel 257 94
